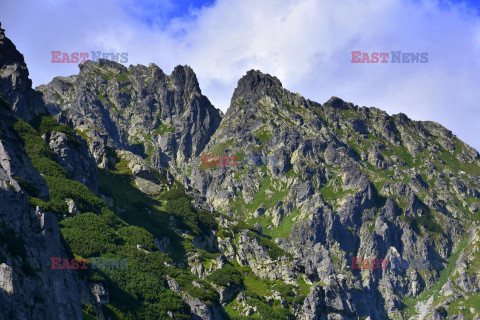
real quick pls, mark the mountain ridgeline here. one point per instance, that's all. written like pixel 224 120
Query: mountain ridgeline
pixel 281 208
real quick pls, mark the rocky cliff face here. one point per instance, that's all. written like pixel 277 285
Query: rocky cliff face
pixel 29 288
pixel 165 119
pixel 349 182
pixel 74 156
pixel 14 82
pixel 30 236
pixel 318 211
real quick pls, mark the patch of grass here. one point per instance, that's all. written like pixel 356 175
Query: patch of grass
pixel 304 287
pixel 287 106
pixel 121 167
pixel 456 165
pixel 261 196
pixel 444 276
pixel 463 304
pixel 285 227
pixel 219 149
pixel 402 153
pixel 83 135
pixel 263 135
pixel 47 124
pixel 331 192
pixel 258 286
pixel 114 106
pixel 274 251
pixel 122 77
pixel 101 97
pixel 163 128
pixel 58 97
pixel 269 311
pixel 349 113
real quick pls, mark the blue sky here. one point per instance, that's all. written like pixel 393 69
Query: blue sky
pixel 159 13
pixel 307 44
pixel 472 4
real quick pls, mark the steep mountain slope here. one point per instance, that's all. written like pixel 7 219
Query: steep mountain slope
pixel 292 233
pixel 29 236
pixel 351 182
pixel 50 213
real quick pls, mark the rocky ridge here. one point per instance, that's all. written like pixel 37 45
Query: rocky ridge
pixel 139 109
pixel 351 182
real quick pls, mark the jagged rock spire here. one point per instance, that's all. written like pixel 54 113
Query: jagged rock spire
pixel 254 85
pixel 14 82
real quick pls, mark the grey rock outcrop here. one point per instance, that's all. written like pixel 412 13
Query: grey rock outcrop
pixel 330 302
pixel 75 157
pixel 14 82
pixel 200 311
pixel 30 288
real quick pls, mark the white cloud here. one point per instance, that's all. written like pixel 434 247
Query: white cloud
pixel 305 43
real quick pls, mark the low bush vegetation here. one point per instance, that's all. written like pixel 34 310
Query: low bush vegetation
pixel 42 158
pixel 135 235
pixel 226 276
pixel 179 204
pixel 90 235
pixel 47 124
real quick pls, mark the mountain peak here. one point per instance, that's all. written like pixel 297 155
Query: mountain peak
pixel 185 78
pixel 255 84
pixel 9 55
pixel 15 82
pixel 256 76
pixel 106 64
pixel 2 32
pixel 337 103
